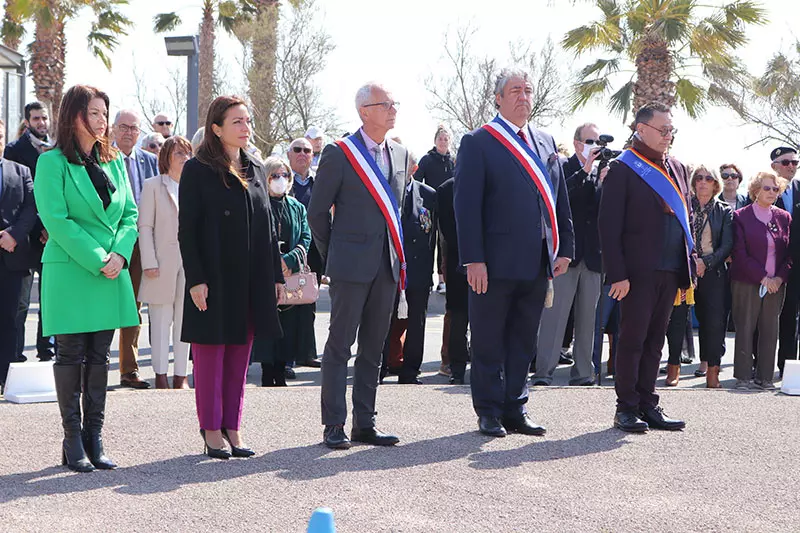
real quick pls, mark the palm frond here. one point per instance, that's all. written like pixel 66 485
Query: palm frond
pixel 585 91
pixel 690 97
pixel 601 66
pixel 745 11
pixel 11 30
pixel 164 22
pixel 621 102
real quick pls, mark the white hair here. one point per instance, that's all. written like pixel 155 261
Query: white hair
pixel 153 137
pixel 299 140
pixel 506 74
pixel 127 112
pixel 197 139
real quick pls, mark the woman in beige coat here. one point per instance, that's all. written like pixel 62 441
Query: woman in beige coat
pixel 163 283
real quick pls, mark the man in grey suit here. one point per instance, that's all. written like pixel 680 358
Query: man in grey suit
pixel 362 264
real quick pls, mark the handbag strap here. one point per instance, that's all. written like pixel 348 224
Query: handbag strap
pixel 303 259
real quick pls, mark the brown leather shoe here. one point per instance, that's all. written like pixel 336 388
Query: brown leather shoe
pixel 673 375
pixel 132 380
pixel 180 382
pixel 712 377
pixel 161 381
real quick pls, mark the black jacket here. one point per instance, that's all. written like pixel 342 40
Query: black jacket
pixel 584 201
pixel 17 214
pixel 419 220
pixel 456 287
pixel 435 168
pixel 23 152
pixel 228 242
pixel 742 200
pixel 721 220
pixel 794 232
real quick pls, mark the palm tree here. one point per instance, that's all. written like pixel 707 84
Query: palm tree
pixel 49 48
pixel 670 51
pixel 12 30
pixel 229 15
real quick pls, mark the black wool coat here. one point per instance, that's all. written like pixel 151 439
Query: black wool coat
pixel 228 242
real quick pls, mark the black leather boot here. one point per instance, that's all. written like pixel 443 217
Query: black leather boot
pixel 95 381
pixel 68 392
pixel 279 373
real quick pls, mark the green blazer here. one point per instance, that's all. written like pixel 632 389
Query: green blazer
pixel 75 296
pixel 301 233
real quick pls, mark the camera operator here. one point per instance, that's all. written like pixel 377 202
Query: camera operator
pixel 582 281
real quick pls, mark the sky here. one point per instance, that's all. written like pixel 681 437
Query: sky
pixel 401 43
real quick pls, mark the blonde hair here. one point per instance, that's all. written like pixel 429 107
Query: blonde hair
pixel 712 173
pixel 272 163
pixel 755 183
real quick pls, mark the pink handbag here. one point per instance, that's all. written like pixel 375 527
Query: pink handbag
pixel 301 287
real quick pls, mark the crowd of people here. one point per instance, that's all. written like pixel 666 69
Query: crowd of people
pixel 531 247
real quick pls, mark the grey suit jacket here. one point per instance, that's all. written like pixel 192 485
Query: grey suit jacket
pixel 354 242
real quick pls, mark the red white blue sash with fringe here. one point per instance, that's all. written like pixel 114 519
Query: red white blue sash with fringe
pixel 378 186
pixel 533 166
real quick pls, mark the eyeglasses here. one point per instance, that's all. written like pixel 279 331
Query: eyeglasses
pixel 767 188
pixel 590 141
pixel 730 176
pixel 124 128
pixel 707 178
pixel 298 149
pixel 385 105
pixel 665 132
pixel 787 162
pixel 279 175
pixel 153 146
pixel 164 123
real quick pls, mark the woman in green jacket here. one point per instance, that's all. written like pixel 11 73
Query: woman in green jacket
pixel 294 236
pixel 87 207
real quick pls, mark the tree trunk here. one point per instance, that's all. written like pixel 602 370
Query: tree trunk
pixel 261 74
pixel 11 39
pixel 48 55
pixel 654 66
pixel 206 61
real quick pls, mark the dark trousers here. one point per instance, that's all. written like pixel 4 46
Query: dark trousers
pixel 606 321
pixel 44 345
pixel 459 348
pixel 363 309
pixel 645 312
pixel 677 333
pixel 298 337
pixel 89 348
pixel 787 347
pixel 10 284
pixel 709 299
pixel 129 337
pixel 504 322
pixel 414 328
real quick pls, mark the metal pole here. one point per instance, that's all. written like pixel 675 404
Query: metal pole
pixel 192 94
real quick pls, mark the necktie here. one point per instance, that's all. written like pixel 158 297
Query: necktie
pixel 522 136
pixel 787 199
pixel 128 167
pixel 381 161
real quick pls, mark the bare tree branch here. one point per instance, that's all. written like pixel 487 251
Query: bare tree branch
pixel 168 97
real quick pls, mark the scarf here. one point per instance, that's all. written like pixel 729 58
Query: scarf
pixel 701 217
pixel 102 184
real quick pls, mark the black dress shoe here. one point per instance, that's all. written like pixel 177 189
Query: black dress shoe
pixel 409 381
pixel 289 373
pixel 540 383
pixel 454 380
pixel 21 358
pixel 335 438
pixel 45 356
pixel 373 436
pixel 313 363
pixel 522 424
pixel 627 421
pixel 655 418
pixel 490 425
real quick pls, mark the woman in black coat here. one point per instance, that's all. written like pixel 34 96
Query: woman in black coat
pixel 713 237
pixel 233 270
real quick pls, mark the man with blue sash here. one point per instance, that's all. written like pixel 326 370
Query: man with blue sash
pixel 363 178
pixel 515 234
pixel 646 241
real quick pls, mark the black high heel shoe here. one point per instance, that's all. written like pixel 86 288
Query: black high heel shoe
pixel 214 453
pixel 235 450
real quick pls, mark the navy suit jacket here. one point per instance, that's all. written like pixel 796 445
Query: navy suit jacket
pixel 23 152
pixel 497 206
pixel 17 214
pixel 794 234
pixel 420 221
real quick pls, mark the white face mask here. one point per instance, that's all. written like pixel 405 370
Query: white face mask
pixel 587 149
pixel 278 186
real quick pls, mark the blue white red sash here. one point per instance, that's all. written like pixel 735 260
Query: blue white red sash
pixel 533 166
pixel 664 186
pixel 378 186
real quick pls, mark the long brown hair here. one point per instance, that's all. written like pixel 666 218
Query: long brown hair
pixel 76 104
pixel 211 151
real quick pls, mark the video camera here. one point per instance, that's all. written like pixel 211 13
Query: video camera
pixel 606 154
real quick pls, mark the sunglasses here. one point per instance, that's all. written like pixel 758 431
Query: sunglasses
pixel 153 146
pixel 298 149
pixel 730 176
pixel 279 175
pixel 707 178
pixel 164 123
pixel 787 162
pixel 767 188
pixel 590 141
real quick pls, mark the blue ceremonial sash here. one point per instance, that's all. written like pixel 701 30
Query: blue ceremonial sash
pixel 658 180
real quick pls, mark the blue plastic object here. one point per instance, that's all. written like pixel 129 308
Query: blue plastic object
pixel 322 521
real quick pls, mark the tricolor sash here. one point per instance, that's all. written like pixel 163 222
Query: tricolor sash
pixel 664 186
pixel 378 186
pixel 536 170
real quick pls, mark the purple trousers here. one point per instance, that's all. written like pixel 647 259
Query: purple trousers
pixel 220 374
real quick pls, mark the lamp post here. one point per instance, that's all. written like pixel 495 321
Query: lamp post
pixel 188 46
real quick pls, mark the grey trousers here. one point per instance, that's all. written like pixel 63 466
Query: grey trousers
pixel 750 312
pixel 581 285
pixel 366 309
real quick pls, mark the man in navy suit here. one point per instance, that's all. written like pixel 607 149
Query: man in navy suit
pixel 17 218
pixel 784 163
pixel 505 216
pixel 140 165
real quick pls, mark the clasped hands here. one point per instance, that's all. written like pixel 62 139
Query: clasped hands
pixel 7 242
pixel 114 265
pixel 772 284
